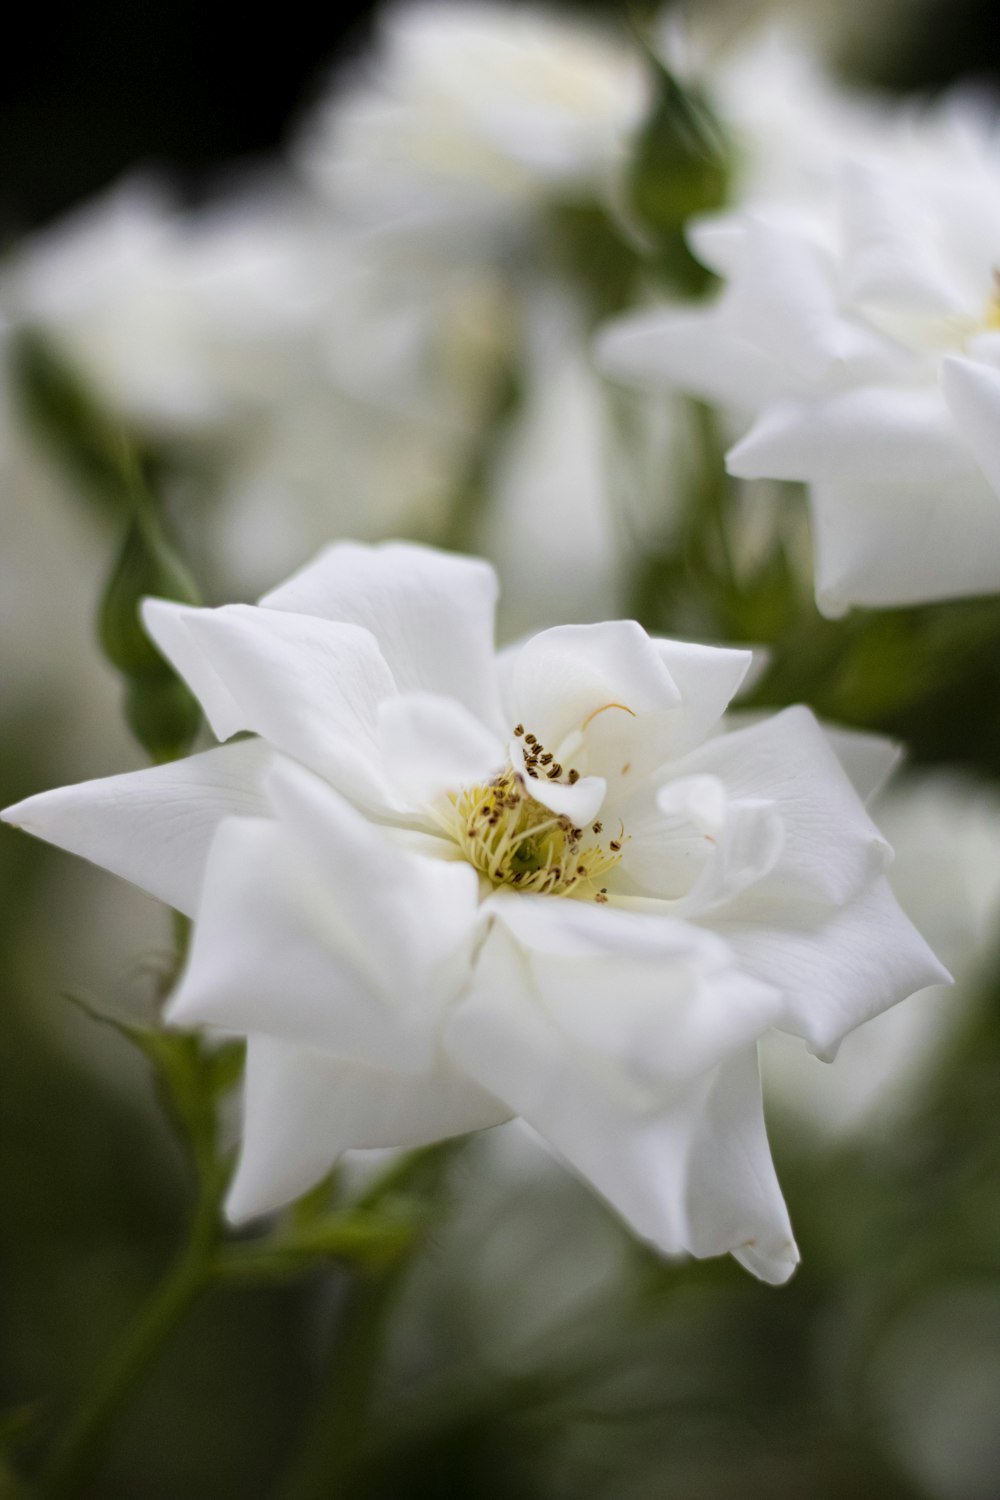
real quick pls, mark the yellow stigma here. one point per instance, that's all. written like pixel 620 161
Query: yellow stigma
pixel 513 839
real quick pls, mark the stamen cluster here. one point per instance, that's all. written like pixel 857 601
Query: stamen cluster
pixel 513 839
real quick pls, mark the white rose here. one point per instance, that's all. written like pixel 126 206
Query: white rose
pixel 426 921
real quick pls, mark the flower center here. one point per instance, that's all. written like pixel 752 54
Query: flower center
pixel 513 839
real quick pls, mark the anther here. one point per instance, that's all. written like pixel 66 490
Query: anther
pixel 553 773
pixel 615 845
pixel 598 827
pixel 518 730
pixel 574 777
pixel 529 739
pixel 548 756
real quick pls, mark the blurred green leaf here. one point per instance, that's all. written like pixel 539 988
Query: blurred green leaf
pixel 64 415
pixel 680 167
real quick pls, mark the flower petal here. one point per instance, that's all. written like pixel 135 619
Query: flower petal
pixel 694 1173
pixel 689 351
pixel 893 544
pixel 784 301
pixel 869 760
pixel 153 827
pixel 972 391
pixel 302 1108
pixel 688 843
pixel 680 1007
pixel 430 612
pixel 708 678
pixel 831 848
pixel 431 744
pixel 291 937
pixel 868 434
pixel 841 971
pixel 560 676
pixel 310 687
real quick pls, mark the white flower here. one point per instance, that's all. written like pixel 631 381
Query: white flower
pixel 860 337
pixel 475 109
pixel 425 921
pixel 790 120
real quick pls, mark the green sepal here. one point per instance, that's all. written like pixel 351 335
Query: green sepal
pixel 365 1237
pixel 191 1075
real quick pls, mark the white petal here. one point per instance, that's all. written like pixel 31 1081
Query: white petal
pixel 972 391
pixel 691 1174
pixel 568 672
pixel 431 744
pixel 894 544
pixel 431 613
pixel 679 842
pixel 890 260
pixel 839 972
pixel 153 827
pixel 784 302
pixel 690 351
pixel 428 905
pixel 310 687
pixel 868 759
pixel 303 1108
pixel 831 848
pixel 708 678
pixel 661 1005
pixel 319 931
pixel 584 929
pixel 869 433
pixel 166 624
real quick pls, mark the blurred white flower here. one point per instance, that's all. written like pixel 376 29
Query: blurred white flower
pixel 475 110
pixel 551 524
pixel 939 820
pixel 857 331
pixel 789 118
pixel 328 384
pixel 425 921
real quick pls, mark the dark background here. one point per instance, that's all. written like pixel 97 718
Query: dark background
pixel 195 85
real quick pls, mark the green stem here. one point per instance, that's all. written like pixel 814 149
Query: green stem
pixel 79 1453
